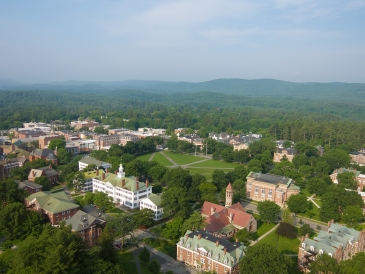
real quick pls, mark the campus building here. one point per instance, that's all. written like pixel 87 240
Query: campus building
pixel 127 191
pixel 153 202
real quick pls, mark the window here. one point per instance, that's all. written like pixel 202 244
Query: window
pixel 256 190
pixel 330 254
pixel 263 191
pixel 303 245
pixel 320 251
pixel 209 261
pixel 225 269
pixel 202 260
pixel 68 211
pixel 225 261
pixel 63 213
pixel 188 253
pixel 270 192
pixel 216 265
pixel 311 248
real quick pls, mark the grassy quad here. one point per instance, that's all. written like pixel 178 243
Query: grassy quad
pixel 144 157
pixel 284 245
pixel 162 160
pixel 182 159
pixel 216 164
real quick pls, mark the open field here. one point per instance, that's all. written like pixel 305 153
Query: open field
pixel 144 157
pixel 182 159
pixel 207 172
pixel 215 164
pixel 161 159
pixel 262 227
pixel 284 245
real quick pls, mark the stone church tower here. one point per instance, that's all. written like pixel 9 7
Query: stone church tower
pixel 229 195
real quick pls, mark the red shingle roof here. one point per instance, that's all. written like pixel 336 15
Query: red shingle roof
pixel 220 217
pixel 229 187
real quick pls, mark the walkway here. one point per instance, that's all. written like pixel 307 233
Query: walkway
pixel 136 252
pixel 151 157
pixel 168 158
pixel 263 236
pixel 311 199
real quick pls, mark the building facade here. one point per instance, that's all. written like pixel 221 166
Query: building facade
pixel 29 187
pixel 338 242
pixel 358 157
pixel 206 252
pixel 280 153
pixel 54 207
pixel 153 202
pixel 360 178
pixel 86 161
pixel 8 164
pixel 262 187
pixel 47 171
pixel 127 191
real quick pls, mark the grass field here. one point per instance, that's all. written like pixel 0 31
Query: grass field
pixel 262 227
pixel 215 164
pixel 126 260
pixel 207 172
pixel 283 245
pixel 162 160
pixel 144 157
pixel 182 159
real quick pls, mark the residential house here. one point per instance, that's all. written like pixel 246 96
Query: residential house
pixel 262 187
pixel 127 191
pixel 87 226
pixel 289 153
pixel 243 141
pixel 47 171
pixel 29 187
pixel 206 252
pixel 86 161
pixel 153 202
pixel 10 163
pixel 55 207
pixel 338 242
pixel 44 154
pixel 225 221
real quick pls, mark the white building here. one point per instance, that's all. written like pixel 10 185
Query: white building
pixel 84 162
pixel 89 175
pixel 153 202
pixel 127 191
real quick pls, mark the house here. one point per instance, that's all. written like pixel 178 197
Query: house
pixel 289 153
pixel 86 161
pixel 89 175
pixel 127 191
pixel 87 226
pixel 262 187
pixel 243 141
pixel 360 178
pixel 206 252
pixel 358 157
pixel 10 163
pixel 55 207
pixel 84 124
pixel 225 221
pixel 44 154
pixel 338 242
pixel 29 187
pixel 47 171
pixel 153 202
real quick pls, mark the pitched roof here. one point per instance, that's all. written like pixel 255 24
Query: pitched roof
pixel 130 182
pixel 23 184
pixel 82 220
pixel 41 152
pixel 221 216
pixel 269 178
pixel 154 198
pixel 52 202
pixel 93 161
pixel 229 187
pixel 218 249
pixel 37 172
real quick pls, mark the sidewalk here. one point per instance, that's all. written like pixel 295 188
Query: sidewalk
pixel 263 236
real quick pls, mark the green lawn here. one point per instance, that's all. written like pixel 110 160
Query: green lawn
pixel 145 157
pixel 262 227
pixel 164 246
pixel 284 245
pixel 162 160
pixel 318 202
pixel 126 260
pixel 306 192
pixel 115 210
pixel 182 159
pixel 215 164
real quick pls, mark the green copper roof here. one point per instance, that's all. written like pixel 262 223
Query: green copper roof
pixel 130 182
pixel 155 198
pixel 53 202
pixel 93 161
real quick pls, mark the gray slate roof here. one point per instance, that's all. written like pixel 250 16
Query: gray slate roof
pixel 82 220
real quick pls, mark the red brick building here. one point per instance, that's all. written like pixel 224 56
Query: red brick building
pixel 88 226
pixel 47 171
pixel 44 154
pixel 29 187
pixel 206 252
pixel 55 207
pixel 8 164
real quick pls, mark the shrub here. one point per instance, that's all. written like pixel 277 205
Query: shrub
pixel 154 266
pixel 287 230
pixel 144 256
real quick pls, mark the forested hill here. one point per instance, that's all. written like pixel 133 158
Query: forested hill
pixel 349 92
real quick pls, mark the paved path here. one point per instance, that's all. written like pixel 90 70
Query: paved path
pixel 136 252
pixel 197 162
pixel 311 199
pixel 151 157
pixel 168 158
pixel 263 236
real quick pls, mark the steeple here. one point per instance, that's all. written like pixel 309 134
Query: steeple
pixel 121 173
pixel 229 195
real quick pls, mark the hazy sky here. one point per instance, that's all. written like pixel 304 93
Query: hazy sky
pixel 188 40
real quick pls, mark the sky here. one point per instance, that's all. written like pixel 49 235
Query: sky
pixel 188 40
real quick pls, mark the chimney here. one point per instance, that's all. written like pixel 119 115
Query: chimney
pixel 137 179
pixel 107 170
pixel 97 172
pixel 137 185
pixel 115 172
pixel 307 235
pixel 199 236
pixel 217 243
pixel 33 173
pixel 211 210
pixel 147 183
pixel 187 236
pixel 236 240
pixel 225 250
pixel 123 182
pixel 103 176
pixel 230 217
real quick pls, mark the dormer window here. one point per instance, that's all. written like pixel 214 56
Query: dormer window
pixel 209 254
pixel 330 254
pixel 225 262
pixel 320 251
pixel 311 248
pixel 303 245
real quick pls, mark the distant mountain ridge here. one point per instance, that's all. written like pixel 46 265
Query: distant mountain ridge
pixel 349 92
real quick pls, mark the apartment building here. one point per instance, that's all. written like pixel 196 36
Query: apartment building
pixel 206 252
pixel 262 187
pixel 358 157
pixel 127 191
pixel 360 178
pixel 153 202
pixel 289 153
pixel 29 187
pixel 47 171
pixel 338 242
pixel 8 164
pixel 55 207
pixel 86 161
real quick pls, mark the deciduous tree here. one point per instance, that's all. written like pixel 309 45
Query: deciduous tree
pixel 268 210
